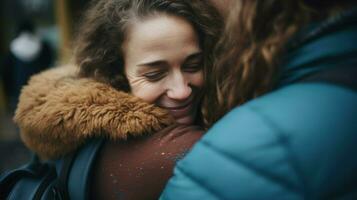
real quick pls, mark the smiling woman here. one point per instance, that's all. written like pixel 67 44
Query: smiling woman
pixel 164 49
pixel 165 67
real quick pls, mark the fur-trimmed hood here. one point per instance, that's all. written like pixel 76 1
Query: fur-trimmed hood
pixel 58 111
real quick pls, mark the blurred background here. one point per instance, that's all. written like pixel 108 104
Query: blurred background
pixel 34 35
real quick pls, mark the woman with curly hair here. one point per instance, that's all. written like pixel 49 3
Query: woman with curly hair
pixel 139 82
pixel 282 103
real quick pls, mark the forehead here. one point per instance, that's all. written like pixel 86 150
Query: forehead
pixel 160 33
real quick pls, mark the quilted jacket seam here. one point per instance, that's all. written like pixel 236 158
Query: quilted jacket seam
pixel 199 183
pixel 284 141
pixel 258 172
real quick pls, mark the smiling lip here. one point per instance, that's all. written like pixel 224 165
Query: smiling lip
pixel 180 107
pixel 181 111
pixel 178 112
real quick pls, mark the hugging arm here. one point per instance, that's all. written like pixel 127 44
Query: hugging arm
pixel 140 167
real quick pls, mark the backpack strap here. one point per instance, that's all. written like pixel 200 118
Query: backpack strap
pixel 63 167
pixel 66 178
pixel 81 169
pixel 27 182
pixel 345 76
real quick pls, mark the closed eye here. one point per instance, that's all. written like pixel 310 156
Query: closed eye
pixel 160 71
pixel 193 63
pixel 193 67
pixel 155 75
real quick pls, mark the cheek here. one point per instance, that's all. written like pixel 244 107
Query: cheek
pixel 197 80
pixel 147 91
pixel 143 89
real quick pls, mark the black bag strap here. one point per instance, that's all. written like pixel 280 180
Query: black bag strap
pixel 345 76
pixel 9 179
pixel 75 171
pixel 35 170
pixel 79 175
pixel 67 178
pixel 60 187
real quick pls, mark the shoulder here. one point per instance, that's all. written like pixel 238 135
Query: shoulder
pixel 275 144
pixel 141 164
pixel 304 106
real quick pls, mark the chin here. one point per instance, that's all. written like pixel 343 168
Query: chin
pixel 188 120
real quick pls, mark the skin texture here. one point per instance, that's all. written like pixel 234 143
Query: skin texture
pixel 163 63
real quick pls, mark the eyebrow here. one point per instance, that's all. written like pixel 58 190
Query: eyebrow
pixel 159 63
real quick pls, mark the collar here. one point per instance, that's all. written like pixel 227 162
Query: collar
pixel 322 46
pixel 58 111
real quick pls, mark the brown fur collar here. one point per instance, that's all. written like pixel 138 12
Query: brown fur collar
pixel 57 112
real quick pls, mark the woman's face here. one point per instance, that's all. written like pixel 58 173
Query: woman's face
pixel 163 63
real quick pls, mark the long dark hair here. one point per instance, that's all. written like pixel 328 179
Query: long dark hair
pixel 100 37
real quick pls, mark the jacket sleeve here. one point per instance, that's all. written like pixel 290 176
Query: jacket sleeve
pixel 140 167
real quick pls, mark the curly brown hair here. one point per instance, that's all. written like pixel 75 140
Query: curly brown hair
pixel 98 46
pixel 248 54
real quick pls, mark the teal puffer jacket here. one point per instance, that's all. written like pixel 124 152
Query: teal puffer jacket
pixel 297 142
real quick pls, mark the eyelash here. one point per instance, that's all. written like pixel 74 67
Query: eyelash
pixel 158 75
pixel 154 76
pixel 193 67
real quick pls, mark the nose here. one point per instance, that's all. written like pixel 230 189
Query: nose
pixel 178 87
